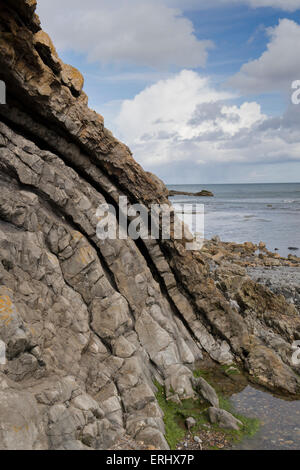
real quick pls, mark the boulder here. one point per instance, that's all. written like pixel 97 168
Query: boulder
pixel 224 419
pixel 190 423
pixel 206 391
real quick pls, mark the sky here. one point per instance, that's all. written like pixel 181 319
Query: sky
pixel 201 91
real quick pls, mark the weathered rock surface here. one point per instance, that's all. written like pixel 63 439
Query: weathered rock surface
pixel 89 325
pixel 272 319
pixel 224 419
pixel 206 391
pixel 190 423
pixel 282 280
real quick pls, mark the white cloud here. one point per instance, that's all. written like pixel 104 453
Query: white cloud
pixel 159 117
pixel 139 32
pixel 185 120
pixel 286 5
pixel 162 122
pixel 167 106
pixel 278 66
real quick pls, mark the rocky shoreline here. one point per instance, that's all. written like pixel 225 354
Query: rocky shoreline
pixel 282 280
pixel 279 274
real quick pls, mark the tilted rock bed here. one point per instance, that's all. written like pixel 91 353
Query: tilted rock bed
pixel 89 325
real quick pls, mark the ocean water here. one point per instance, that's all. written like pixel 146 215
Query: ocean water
pixel 248 212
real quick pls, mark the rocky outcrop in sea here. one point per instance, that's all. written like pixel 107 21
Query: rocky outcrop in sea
pixel 202 193
pixel 89 326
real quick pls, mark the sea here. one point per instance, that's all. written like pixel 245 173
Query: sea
pixel 247 212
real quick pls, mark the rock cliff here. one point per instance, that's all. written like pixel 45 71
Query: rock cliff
pixel 89 325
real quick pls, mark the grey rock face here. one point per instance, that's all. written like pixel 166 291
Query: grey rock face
pixel 63 316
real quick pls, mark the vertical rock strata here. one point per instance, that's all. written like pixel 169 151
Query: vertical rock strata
pixel 89 325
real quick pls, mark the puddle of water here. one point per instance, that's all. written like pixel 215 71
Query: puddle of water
pixel 280 420
pixel 279 417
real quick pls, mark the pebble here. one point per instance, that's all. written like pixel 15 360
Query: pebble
pixel 190 423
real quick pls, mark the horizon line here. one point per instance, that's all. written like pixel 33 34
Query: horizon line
pixel 229 184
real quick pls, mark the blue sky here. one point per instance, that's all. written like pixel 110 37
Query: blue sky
pixel 200 94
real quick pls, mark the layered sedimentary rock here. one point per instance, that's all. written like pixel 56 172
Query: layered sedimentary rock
pixel 88 324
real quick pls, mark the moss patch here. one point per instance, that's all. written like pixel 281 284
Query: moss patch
pixel 175 416
pixel 202 373
pixel 230 370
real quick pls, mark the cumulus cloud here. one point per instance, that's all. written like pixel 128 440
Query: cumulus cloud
pixel 184 119
pixel 139 32
pixel 278 66
pixel 167 106
pixel 151 33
